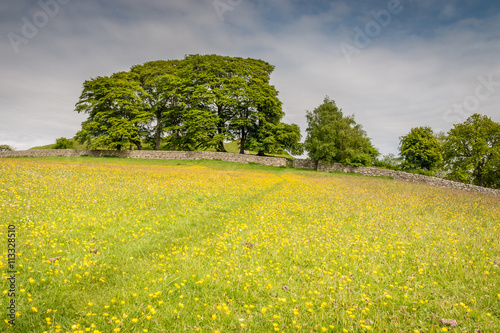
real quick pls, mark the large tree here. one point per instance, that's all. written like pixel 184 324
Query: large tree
pixel 117 112
pixel 420 149
pixel 472 151
pixel 257 103
pixel 335 138
pixel 161 82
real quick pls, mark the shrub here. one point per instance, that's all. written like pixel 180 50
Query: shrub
pixel 63 143
pixel 6 148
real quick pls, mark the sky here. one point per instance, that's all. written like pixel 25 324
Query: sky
pixel 394 64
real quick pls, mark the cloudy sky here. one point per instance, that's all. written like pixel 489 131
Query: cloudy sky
pixel 394 64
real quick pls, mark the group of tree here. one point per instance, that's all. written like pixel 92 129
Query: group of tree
pixel 471 151
pixel 198 102
pixel 468 153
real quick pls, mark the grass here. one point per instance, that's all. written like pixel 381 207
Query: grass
pixel 211 246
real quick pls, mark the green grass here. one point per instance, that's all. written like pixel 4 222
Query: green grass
pixel 176 246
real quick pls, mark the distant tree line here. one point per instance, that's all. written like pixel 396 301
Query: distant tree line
pixel 198 102
pixel 468 153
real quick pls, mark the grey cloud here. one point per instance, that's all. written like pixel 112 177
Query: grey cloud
pixel 401 80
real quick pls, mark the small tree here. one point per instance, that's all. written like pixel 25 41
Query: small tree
pixel 6 148
pixel 63 143
pixel 333 137
pixel 420 149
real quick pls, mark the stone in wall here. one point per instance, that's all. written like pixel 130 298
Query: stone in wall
pixel 304 164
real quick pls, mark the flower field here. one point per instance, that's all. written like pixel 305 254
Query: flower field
pixel 111 245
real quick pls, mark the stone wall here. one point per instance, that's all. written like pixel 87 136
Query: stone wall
pixel 153 154
pixel 304 164
pixel 399 175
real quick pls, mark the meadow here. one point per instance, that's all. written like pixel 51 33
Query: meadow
pixel 118 245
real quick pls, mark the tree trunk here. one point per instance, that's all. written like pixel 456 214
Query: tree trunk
pixel 220 129
pixel 480 175
pixel 242 142
pixel 158 130
pixel 138 144
pixel 221 147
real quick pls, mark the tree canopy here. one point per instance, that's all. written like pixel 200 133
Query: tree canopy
pixel 117 110
pixel 160 81
pixel 200 101
pixel 472 151
pixel 420 149
pixel 335 138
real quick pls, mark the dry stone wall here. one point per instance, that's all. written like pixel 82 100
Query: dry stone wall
pixel 152 154
pixel 399 175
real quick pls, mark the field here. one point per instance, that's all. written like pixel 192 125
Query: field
pixel 117 245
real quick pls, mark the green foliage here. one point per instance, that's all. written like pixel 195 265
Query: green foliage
pixel 161 82
pixel 335 138
pixel 198 130
pixel 288 137
pixel 63 143
pixel 236 91
pixel 118 112
pixel 420 149
pixel 389 161
pixel 472 151
pixel 198 102
pixel 6 148
pixel 276 139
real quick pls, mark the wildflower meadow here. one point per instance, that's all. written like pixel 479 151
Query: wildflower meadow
pixel 118 245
